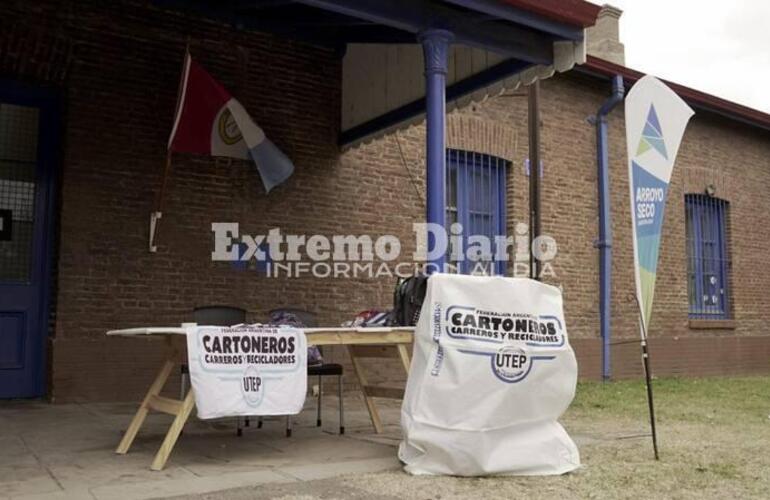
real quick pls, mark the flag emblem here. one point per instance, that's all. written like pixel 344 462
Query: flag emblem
pixel 652 135
pixel 228 129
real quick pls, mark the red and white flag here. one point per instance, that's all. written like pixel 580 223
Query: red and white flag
pixel 209 121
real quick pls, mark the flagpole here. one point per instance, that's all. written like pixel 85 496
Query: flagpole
pixel 164 181
pixel 156 215
pixel 648 379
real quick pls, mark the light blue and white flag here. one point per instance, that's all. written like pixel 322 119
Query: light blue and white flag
pixel 655 121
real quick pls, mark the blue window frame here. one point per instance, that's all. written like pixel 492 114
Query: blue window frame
pixel 707 259
pixel 475 197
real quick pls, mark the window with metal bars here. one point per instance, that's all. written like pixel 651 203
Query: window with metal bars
pixel 707 257
pixel 475 195
pixel 18 164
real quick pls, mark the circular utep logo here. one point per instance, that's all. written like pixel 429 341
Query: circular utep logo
pixel 228 129
pixel 252 386
pixel 510 364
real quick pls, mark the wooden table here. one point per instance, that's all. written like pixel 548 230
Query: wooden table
pixel 360 342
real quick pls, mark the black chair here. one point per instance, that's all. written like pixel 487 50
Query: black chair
pixel 219 315
pixel 308 319
pixel 216 316
pixel 326 370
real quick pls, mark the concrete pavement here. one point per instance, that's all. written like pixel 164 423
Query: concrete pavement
pixel 67 451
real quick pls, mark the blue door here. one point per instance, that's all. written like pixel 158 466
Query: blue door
pixel 28 129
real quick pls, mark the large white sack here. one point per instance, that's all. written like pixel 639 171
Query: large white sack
pixel 465 414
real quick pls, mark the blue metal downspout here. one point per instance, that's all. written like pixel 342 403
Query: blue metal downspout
pixel 604 244
pixel 435 44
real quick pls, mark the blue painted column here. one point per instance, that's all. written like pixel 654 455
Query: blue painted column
pixel 435 46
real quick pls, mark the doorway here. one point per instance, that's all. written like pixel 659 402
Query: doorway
pixel 28 152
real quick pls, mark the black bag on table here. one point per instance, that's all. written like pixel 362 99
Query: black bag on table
pixel 407 300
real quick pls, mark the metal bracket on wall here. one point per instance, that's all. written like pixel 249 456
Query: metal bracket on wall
pixel 154 217
pixel 526 168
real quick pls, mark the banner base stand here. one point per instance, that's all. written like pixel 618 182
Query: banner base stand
pixel 647 378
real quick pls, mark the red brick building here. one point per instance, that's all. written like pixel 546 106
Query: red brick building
pixel 104 79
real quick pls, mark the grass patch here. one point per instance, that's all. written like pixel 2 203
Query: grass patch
pixel 722 400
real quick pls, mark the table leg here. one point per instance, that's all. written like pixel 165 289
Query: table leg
pixel 144 408
pixel 173 432
pixel 403 353
pixel 358 368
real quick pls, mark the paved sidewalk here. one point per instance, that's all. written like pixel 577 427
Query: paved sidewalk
pixel 67 451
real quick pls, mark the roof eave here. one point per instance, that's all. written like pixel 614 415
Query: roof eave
pixel 701 100
pixel 574 12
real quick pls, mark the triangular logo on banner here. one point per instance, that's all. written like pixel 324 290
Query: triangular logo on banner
pixel 652 136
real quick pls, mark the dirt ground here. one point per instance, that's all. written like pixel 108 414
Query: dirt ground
pixel 714 438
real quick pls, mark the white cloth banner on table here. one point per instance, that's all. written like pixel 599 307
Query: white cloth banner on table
pixel 491 373
pixel 247 370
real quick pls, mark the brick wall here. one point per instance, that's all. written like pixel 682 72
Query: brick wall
pixel 120 92
pixel 118 67
pixel 732 157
